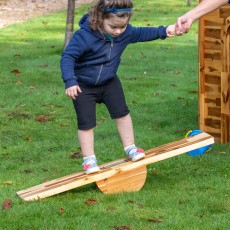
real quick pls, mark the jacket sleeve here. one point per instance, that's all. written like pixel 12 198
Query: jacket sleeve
pixel 143 34
pixel 70 56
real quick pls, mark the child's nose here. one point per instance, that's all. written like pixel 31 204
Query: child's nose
pixel 117 31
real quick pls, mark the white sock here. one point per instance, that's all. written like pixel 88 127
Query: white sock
pixel 85 158
pixel 129 146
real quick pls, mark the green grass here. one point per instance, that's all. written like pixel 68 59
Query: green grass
pixel 160 83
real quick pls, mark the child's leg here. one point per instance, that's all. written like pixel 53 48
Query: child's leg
pixel 86 140
pixel 125 129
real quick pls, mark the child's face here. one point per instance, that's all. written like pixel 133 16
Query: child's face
pixel 114 26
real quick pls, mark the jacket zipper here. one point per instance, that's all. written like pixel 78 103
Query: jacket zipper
pixel 110 52
pixel 98 77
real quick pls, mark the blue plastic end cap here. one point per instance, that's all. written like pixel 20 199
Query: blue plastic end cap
pixel 200 151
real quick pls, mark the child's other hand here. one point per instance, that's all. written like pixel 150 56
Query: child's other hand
pixel 73 91
pixel 171 30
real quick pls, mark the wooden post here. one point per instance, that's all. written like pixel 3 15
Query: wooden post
pixel 214 74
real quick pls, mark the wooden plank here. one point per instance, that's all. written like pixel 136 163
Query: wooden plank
pixel 113 168
pixel 224 11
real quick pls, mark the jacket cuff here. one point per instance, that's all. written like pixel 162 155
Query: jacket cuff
pixel 162 32
pixel 70 83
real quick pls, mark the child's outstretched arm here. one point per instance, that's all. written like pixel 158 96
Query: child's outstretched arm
pixel 170 30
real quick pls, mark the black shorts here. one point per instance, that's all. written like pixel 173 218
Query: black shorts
pixel 111 94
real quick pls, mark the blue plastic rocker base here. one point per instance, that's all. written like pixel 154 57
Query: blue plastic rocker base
pixel 200 151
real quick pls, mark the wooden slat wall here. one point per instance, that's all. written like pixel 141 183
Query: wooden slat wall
pixel 214 74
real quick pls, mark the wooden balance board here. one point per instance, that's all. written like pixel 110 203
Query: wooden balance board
pixel 121 175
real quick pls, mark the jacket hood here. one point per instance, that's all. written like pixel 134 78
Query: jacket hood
pixel 84 24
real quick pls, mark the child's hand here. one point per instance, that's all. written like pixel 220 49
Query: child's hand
pixel 171 30
pixel 73 91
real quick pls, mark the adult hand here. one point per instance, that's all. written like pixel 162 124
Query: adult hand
pixel 73 91
pixel 183 24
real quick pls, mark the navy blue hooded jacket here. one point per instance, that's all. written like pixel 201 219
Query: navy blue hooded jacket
pixel 91 59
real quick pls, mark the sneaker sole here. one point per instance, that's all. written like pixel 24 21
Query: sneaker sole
pixel 93 170
pixel 139 157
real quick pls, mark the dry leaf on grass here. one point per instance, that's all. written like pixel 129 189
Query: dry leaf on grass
pixel 8 182
pixel 76 155
pixel 91 202
pixel 156 220
pixel 122 228
pixel 16 72
pixel 43 118
pixel 61 211
pixel 7 204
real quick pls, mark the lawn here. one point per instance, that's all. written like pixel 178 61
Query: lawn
pixel 39 132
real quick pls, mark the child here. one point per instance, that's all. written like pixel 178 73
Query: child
pixel 89 70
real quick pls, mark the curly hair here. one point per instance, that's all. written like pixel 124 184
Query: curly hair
pixel 97 14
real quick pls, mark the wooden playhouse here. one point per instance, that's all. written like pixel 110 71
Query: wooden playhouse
pixel 214 74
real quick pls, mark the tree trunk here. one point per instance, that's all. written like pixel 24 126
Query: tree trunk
pixel 69 22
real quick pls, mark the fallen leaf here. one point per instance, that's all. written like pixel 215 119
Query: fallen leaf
pixel 19 83
pixel 131 201
pixel 43 65
pixel 61 211
pixel 140 206
pixel 155 220
pixel 28 171
pixel 43 118
pixel 221 152
pixel 28 139
pixel 8 182
pixel 91 202
pixel 176 71
pixel 155 172
pixel 122 228
pixel 76 155
pixel 16 72
pixel 180 202
pixel 7 204
pixel 111 209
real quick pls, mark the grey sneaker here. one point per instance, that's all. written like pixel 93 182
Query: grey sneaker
pixel 135 153
pixel 90 165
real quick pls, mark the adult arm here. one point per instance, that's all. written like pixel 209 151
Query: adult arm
pixel 185 21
